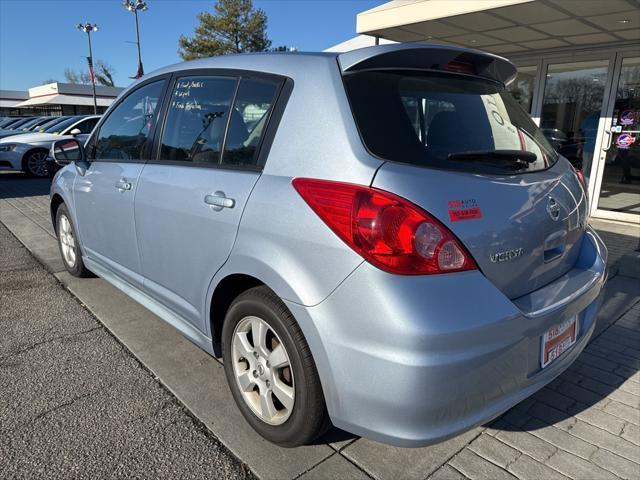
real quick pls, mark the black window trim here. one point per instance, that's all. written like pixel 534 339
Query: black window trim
pixel 283 91
pixel 149 143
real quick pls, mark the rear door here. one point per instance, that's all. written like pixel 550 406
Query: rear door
pixel 521 217
pixel 191 197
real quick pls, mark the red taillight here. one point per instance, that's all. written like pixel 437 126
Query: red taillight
pixel 581 177
pixel 388 231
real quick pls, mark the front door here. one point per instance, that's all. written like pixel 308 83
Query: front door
pixel 103 196
pixel 190 199
pixel 618 194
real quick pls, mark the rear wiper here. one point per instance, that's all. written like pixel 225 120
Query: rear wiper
pixel 506 156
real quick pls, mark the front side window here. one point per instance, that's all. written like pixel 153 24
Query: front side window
pixel 197 119
pixel 249 118
pixel 125 132
pixel 87 125
pixel 445 121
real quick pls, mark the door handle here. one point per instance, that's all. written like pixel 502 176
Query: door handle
pixel 219 201
pixel 608 142
pixel 123 185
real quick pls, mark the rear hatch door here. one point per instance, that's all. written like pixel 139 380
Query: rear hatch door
pixel 460 146
pixel 509 224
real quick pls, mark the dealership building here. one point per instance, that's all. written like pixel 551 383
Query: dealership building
pixel 56 99
pixel 578 74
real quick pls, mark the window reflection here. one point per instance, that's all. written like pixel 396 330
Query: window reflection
pixel 522 87
pixel 572 104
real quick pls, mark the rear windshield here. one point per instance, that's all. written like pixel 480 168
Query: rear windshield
pixel 425 119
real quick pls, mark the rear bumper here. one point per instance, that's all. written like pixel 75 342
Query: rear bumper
pixel 411 361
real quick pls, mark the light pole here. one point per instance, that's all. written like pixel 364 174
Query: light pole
pixel 88 28
pixel 135 7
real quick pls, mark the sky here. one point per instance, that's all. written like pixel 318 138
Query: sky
pixel 38 38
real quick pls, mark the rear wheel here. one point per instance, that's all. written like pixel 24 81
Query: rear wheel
pixel 69 245
pixel 35 164
pixel 270 370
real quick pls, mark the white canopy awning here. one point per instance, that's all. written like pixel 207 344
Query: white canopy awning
pixel 58 99
pixel 9 103
pixel 506 26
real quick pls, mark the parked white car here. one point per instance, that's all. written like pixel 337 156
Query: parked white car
pixel 29 152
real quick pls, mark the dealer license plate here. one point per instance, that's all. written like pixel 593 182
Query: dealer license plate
pixel 558 340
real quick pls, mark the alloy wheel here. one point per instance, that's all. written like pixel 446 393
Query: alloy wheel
pixel 37 164
pixel 262 370
pixel 67 241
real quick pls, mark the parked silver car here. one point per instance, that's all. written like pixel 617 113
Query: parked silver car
pixel 28 151
pixel 381 239
pixel 37 124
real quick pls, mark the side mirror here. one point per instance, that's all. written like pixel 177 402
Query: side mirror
pixel 67 151
pixel 75 131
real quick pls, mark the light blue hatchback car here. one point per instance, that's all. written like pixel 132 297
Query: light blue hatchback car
pixel 380 239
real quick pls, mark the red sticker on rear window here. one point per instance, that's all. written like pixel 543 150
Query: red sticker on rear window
pixel 464 210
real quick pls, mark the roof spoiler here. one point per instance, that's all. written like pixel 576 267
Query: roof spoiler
pixel 428 57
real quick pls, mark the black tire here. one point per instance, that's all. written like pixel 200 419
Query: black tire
pixel 35 164
pixel 78 268
pixel 308 419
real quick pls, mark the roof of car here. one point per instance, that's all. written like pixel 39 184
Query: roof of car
pixel 410 55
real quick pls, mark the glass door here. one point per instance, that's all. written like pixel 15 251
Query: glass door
pixel 572 105
pixel 619 192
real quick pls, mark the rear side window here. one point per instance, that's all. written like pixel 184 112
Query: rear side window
pixel 124 134
pixel 425 119
pixel 249 117
pixel 197 119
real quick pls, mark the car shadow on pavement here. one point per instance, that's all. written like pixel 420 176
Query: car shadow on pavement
pixel 18 185
pixel 600 389
pixel 335 436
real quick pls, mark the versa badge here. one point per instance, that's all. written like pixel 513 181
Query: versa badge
pixel 506 255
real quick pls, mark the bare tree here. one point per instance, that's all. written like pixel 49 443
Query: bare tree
pixel 73 76
pixel 103 73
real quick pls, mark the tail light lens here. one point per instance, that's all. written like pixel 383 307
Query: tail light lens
pixel 581 177
pixel 386 230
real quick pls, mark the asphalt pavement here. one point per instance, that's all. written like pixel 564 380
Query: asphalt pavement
pixel 75 403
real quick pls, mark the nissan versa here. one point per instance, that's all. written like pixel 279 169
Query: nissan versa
pixel 380 239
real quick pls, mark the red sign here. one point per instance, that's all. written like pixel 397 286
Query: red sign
pixel 464 210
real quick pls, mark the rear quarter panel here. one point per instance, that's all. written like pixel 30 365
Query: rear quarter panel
pixel 280 240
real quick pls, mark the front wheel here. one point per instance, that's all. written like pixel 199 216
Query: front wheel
pixel 69 245
pixel 270 370
pixel 36 164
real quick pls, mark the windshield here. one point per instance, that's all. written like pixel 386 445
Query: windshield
pixel 32 123
pixel 428 119
pixel 8 122
pixel 50 124
pixel 59 127
pixel 18 124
